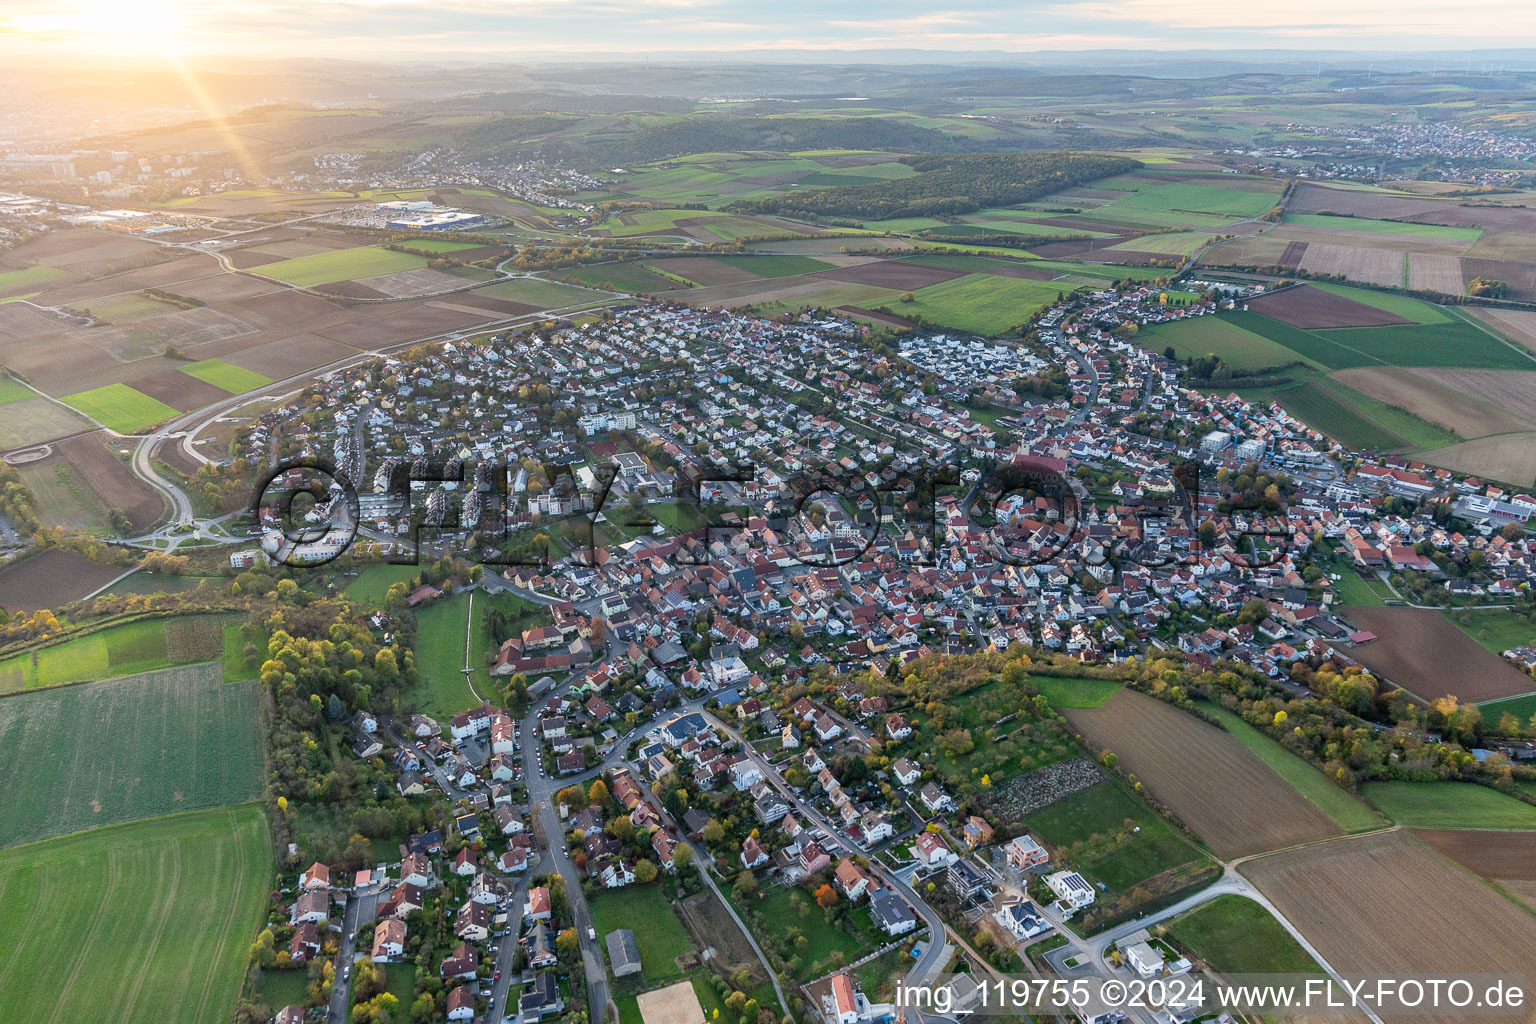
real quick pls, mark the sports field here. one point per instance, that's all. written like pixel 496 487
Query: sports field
pixel 78 757
pixel 141 646
pixel 119 407
pixel 151 921
pixel 224 375
pixel 341 265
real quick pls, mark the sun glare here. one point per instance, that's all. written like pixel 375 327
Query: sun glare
pixel 145 22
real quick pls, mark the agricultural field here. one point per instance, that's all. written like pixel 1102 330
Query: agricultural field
pixel 139 646
pixel 29 420
pixel 119 407
pixel 82 480
pixel 644 910
pixel 128 307
pixel 181 740
pixel 1218 336
pixel 49 579
pixel 228 377
pixel 340 265
pixel 618 277
pixel 1087 829
pixel 1235 935
pixel 1448 805
pixel 1357 419
pixel 1062 692
pixel 1422 652
pixel 1347 812
pixel 1364 903
pixel 1466 403
pixel 539 293
pixel 1384 227
pixel 150 921
pixel 29 277
pixel 1506 858
pixel 1176 755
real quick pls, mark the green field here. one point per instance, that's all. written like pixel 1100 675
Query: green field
pixel 141 646
pixel 1448 805
pixel 118 407
pixel 1348 813
pixel 128 307
pixel 983 303
pixel 341 265
pixel 1523 708
pixel 440 647
pixel 644 910
pixel 375 580
pixel 775 265
pixel 1103 809
pixel 1218 336
pixel 620 277
pixel 540 293
pixel 77 757
pixel 780 910
pixel 151 921
pixel 1383 227
pixel 1181 205
pixel 234 379
pixel 1075 693
pixel 1497 629
pixel 1237 936
pixel 14 391
pixel 29 277
pixel 437 245
pixel 1349 415
pixel 1454 343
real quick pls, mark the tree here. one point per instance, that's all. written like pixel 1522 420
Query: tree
pixel 682 857
pixel 566 943
pixel 713 832
pixel 623 828
pixel 597 795
pixel 645 872
pixel 573 797
pixel 745 885
pixel 826 897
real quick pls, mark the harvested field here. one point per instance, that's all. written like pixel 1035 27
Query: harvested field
pixel 109 476
pixel 675 1004
pixel 1508 858
pixel 901 275
pixel 705 271
pixel 1312 308
pixel 1213 783
pixel 51 578
pixel 1367 904
pixel 824 246
pixel 1515 324
pixel 1505 245
pixel 409 283
pixel 179 390
pixel 185 329
pixel 1434 272
pixel 1510 458
pixel 1314 198
pixel 751 292
pixel 83 250
pixel 1373 266
pixel 32 420
pixel 283 309
pixel 1291 257
pixel 283 359
pixel 1460 400
pixel 1262 251
pixel 1521 277
pixel 226 287
pixel 1421 651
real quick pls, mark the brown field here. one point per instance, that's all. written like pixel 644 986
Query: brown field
pixel 1434 272
pixel 1489 218
pixel 1374 266
pixel 32 420
pixel 704 271
pixel 1510 458
pixel 1315 198
pixel 109 476
pixel 749 292
pixel 1521 277
pixel 1470 403
pixel 1214 784
pixel 405 284
pixel 1388 904
pixel 282 359
pixel 174 454
pixel 85 251
pixel 1517 325
pixel 181 391
pixel 675 1004
pixel 51 578
pixel 1372 240
pixel 1261 251
pixel 1421 651
pixel 1508 858
pixel 710 927
pixel 823 246
pixel 1312 308
pixel 1294 252
pixel 899 275
pixel 1519 246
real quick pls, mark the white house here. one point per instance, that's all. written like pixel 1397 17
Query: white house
pixel 1072 890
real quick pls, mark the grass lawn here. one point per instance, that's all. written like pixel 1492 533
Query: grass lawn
pixel 1237 936
pixel 1448 805
pixel 139 646
pixel 1522 708
pixel 537 292
pixel 1075 693
pixel 440 656
pixel 29 277
pixel 119 407
pixel 1102 810
pixel 1348 813
pixel 231 378
pixel 144 922
pixel 341 265
pixel 644 910
pixel 783 911
pixel 1497 629
pixel 180 740
pixel 375 580
pixel 280 988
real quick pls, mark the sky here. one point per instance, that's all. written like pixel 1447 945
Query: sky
pixel 518 29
